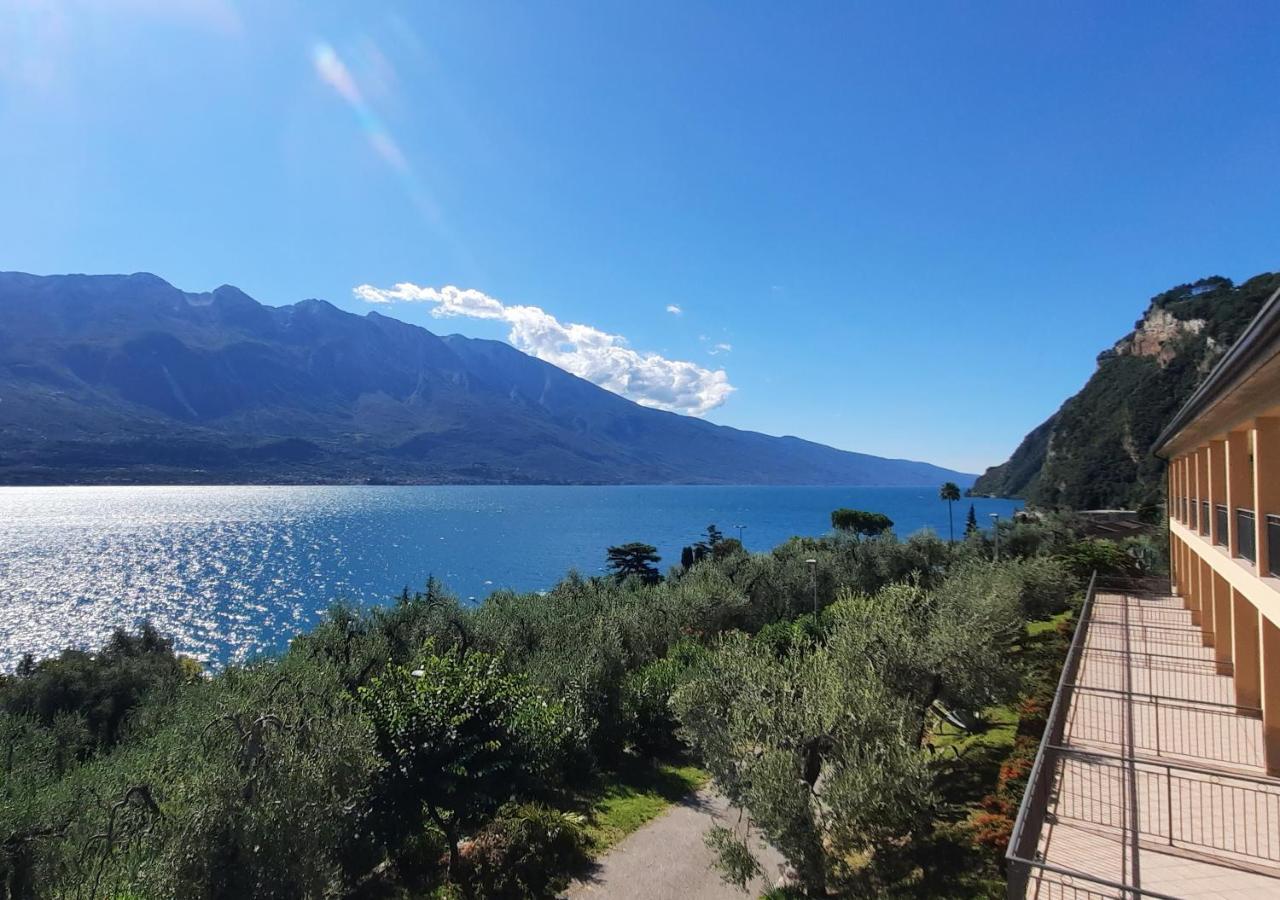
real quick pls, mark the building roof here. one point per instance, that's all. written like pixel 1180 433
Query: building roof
pixel 1257 346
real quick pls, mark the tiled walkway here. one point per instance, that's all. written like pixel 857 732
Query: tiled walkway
pixel 1159 783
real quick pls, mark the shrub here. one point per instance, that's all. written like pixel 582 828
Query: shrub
pixel 526 851
pixel 1097 554
pixel 992 831
pixel 646 699
pixel 101 688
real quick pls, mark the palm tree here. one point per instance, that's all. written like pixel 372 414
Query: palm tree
pixel 951 493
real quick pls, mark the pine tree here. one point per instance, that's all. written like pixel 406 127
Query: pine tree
pixel 971 524
pixel 635 558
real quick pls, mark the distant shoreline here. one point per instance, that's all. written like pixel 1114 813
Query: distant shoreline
pixel 721 484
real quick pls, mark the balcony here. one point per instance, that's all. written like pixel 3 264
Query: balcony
pixel 1220 525
pixel 1204 516
pixel 1149 781
pixel 1247 539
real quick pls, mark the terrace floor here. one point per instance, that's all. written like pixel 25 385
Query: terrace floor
pixel 1158 781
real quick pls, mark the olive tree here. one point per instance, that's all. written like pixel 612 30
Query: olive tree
pixel 824 742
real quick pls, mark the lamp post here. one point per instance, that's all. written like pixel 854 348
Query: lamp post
pixel 740 528
pixel 813 577
pixel 995 530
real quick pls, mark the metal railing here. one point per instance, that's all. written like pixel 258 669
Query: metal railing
pixel 1060 883
pixel 1167 726
pixel 1156 674
pixel 1165 639
pixel 1177 805
pixel 1246 539
pixel 1117 691
pixel 1220 527
pixel 1204 516
pixel 1142 587
pixel 1023 854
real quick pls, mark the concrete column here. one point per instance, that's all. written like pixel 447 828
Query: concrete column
pixel 1175 555
pixel 1266 481
pixel 1185 587
pixel 1183 488
pixel 1193 492
pixel 1192 487
pixel 1216 455
pixel 1175 490
pixel 1177 561
pixel 1223 629
pixel 1269 644
pixel 1244 641
pixel 1239 484
pixel 1202 489
pixel 1192 581
pixel 1188 488
pixel 1205 589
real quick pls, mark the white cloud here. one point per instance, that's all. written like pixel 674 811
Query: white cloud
pixel 720 348
pixel 599 357
pixel 674 310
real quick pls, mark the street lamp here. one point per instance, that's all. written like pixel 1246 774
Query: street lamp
pixel 995 529
pixel 813 577
pixel 740 528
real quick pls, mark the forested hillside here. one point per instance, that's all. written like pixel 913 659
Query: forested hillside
pixel 1095 451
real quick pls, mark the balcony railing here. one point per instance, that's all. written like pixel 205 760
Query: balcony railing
pixel 1246 540
pixel 1220 526
pixel 1160 795
pixel 1024 842
pixel 1167 726
pixel 1183 806
pixel 1204 516
pixel 1273 544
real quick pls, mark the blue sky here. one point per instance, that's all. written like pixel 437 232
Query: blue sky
pixel 906 231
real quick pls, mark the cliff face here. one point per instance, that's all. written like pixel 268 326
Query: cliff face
pixel 1095 451
pixel 1158 335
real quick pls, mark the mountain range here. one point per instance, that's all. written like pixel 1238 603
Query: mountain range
pixel 127 379
pixel 1095 451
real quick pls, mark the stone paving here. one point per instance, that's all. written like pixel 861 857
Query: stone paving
pixel 1159 785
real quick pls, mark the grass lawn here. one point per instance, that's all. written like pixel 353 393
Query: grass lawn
pixel 1039 627
pixel 622 801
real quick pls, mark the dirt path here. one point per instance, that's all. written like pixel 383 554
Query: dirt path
pixel 667 859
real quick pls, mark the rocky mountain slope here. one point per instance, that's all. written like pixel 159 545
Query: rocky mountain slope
pixel 128 379
pixel 1095 451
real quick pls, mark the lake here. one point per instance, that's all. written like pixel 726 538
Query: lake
pixel 232 572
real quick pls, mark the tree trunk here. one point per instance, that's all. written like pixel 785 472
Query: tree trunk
pixel 812 762
pixel 451 836
pixel 935 690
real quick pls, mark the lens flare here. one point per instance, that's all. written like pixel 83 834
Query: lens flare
pixel 337 75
